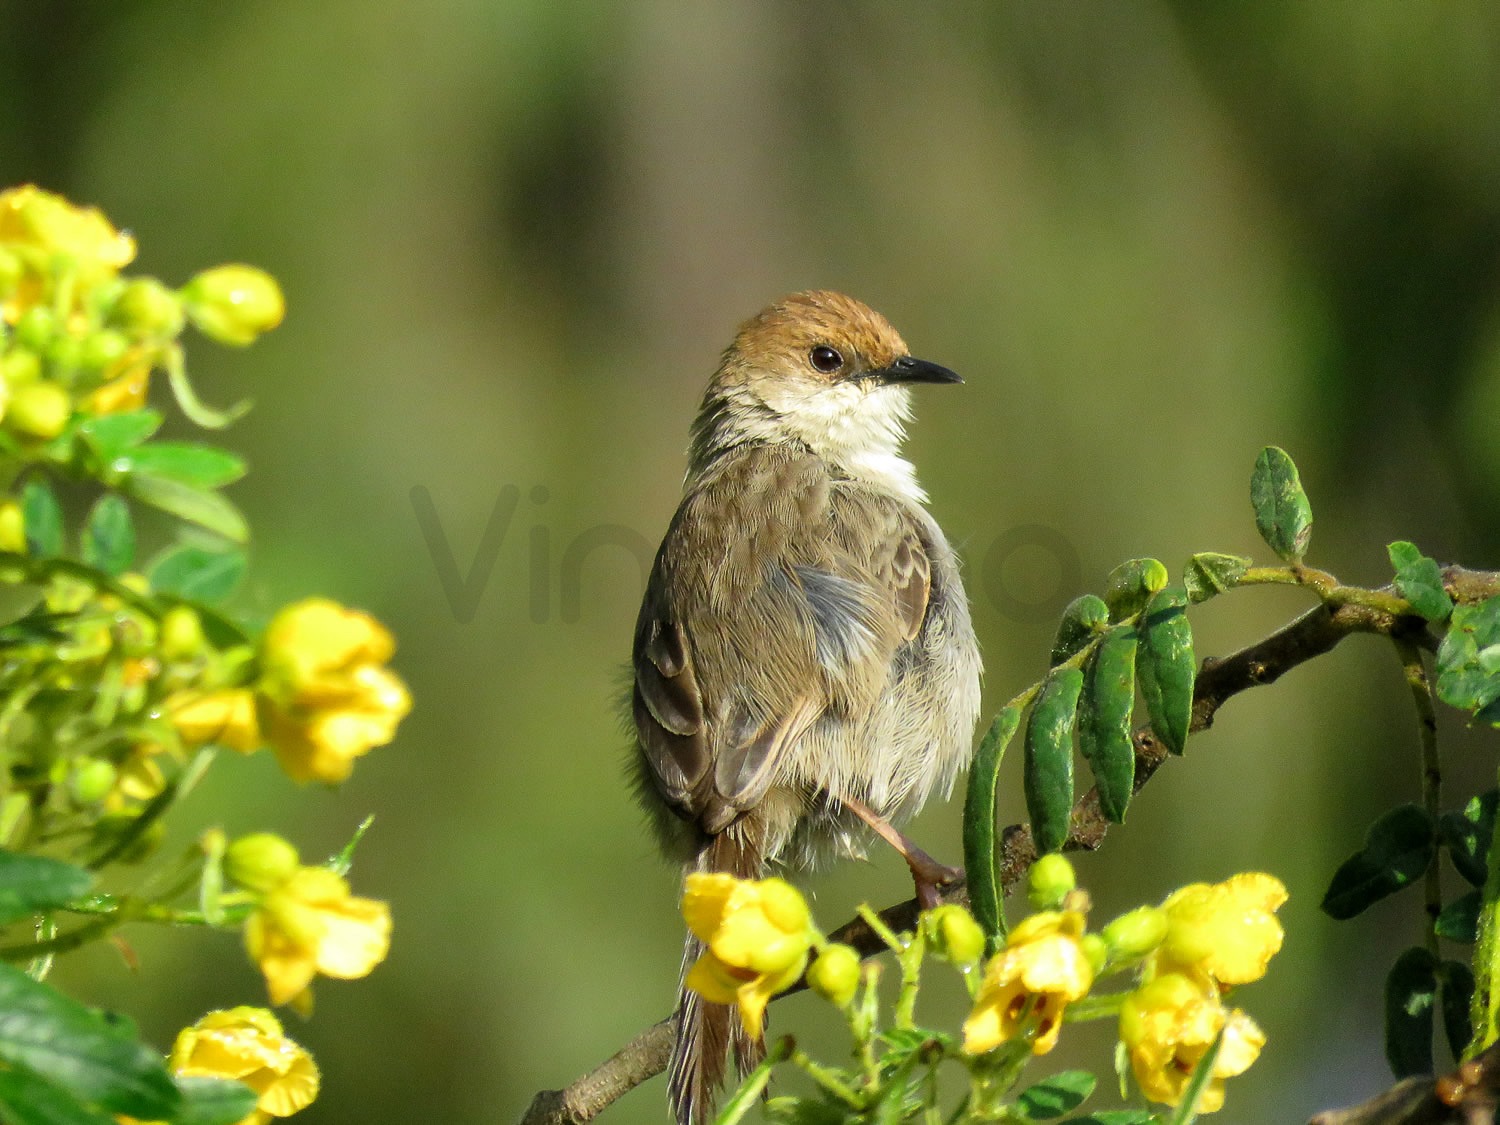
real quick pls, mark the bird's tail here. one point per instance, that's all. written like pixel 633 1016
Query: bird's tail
pixel 706 1032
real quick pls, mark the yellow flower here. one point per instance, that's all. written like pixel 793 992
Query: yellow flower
pixel 234 304
pixel 311 924
pixel 247 1045
pixel 1227 931
pixel 327 696
pixel 226 717
pixel 757 935
pixel 31 218
pixel 1029 983
pixel 1168 1025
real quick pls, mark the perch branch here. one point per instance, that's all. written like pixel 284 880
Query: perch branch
pixel 1316 632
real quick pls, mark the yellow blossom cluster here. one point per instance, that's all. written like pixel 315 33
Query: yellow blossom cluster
pixel 1030 983
pixel 306 922
pixel 80 338
pixel 323 696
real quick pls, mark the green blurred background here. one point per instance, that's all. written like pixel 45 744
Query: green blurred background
pixel 515 235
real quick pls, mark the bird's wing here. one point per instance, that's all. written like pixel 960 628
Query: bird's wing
pixel 778 596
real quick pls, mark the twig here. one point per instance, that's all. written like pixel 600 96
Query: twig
pixel 1264 662
pixel 1466 1096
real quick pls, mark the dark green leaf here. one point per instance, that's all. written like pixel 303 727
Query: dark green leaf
pixel 198 466
pixel 1398 848
pixel 196 573
pixel 1467 836
pixel 1459 920
pixel 1166 668
pixel 1208 573
pixel 43 517
pixel 1084 619
pixel 111 435
pixel 30 884
pixel 1055 1096
pixel 109 536
pixel 213 1101
pixel 1116 1117
pixel 206 509
pixel 1130 585
pixel 1283 515
pixel 95 1058
pixel 29 1099
pixel 1104 733
pixel 979 823
pixel 1048 767
pixel 1456 989
pixel 1420 581
pixel 788 1110
pixel 1410 994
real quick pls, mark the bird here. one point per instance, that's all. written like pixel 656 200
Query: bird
pixel 804 667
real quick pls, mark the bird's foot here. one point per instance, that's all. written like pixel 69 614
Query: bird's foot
pixel 927 874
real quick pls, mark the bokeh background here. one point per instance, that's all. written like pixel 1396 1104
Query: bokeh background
pixel 514 236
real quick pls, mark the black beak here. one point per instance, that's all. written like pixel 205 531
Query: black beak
pixel 909 370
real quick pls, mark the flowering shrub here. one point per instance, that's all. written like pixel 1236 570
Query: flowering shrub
pixel 125 671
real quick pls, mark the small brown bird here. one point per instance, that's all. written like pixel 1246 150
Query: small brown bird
pixel 804 664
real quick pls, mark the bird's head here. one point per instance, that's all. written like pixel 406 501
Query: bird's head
pixel 820 369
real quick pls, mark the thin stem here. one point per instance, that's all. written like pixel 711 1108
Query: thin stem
pixel 1095 1007
pixel 1486 962
pixel 911 979
pixel 1432 772
pixel 828 1079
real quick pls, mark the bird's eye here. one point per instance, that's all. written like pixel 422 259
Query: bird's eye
pixel 825 359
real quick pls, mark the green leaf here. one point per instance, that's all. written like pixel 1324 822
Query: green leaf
pixel 1055 1096
pixel 28 1099
pixel 1130 585
pixel 1420 581
pixel 1398 849
pixel 1116 1117
pixel 111 435
pixel 1456 990
pixel 979 823
pixel 206 509
pixel 1467 836
pixel 1084 619
pixel 189 463
pixel 1467 674
pixel 213 1101
pixel 98 1060
pixel 789 1110
pixel 195 573
pixel 1209 572
pixel 1410 995
pixel 343 862
pixel 31 884
pixel 1166 667
pixel 1459 920
pixel 109 536
pixel 1048 772
pixel 1104 732
pixel 1283 515
pixel 43 518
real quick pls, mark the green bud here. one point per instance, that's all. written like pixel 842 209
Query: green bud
pixel 1131 936
pixel 234 304
pixel 19 367
pixel 39 409
pixel 63 354
pixel 261 861
pixel 1130 585
pixel 1095 950
pixel 12 527
pixel 181 633
pixel 102 348
pixel 36 328
pixel 147 309
pixel 954 934
pixel 91 781
pixel 1049 881
pixel 834 975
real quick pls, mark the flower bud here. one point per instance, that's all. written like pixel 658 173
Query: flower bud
pixel 98 350
pixel 12 527
pixel 261 861
pixel 181 636
pixel 1049 881
pixel 19 366
pixel 91 781
pixel 1131 936
pixel 147 309
pixel 834 975
pixel 1095 951
pixel 234 304
pixel 39 409
pixel 36 327
pixel 954 934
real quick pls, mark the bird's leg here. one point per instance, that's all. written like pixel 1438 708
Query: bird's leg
pixel 927 873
